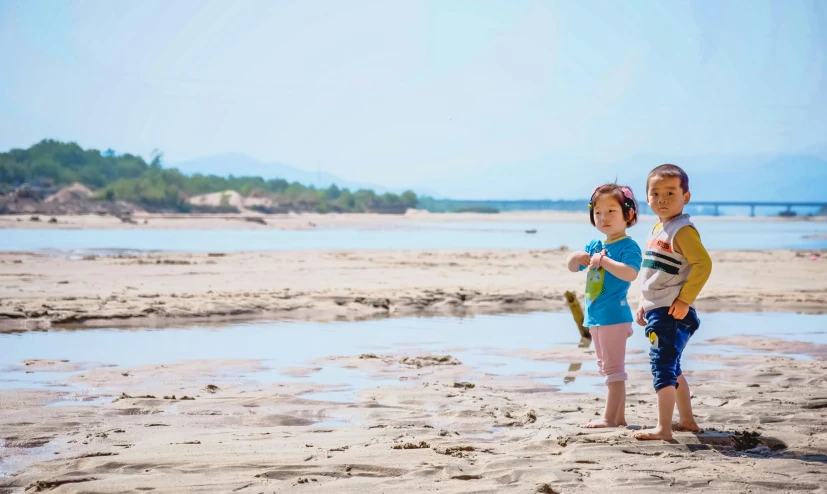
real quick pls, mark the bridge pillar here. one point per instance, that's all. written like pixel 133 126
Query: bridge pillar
pixel 716 210
pixel 752 210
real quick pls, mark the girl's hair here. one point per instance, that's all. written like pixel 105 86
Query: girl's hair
pixel 620 193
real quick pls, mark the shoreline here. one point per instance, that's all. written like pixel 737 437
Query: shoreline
pixel 309 221
pixel 38 291
pixel 15 325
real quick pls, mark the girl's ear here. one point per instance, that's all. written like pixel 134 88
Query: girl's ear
pixel 631 216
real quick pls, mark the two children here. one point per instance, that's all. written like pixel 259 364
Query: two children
pixel 675 268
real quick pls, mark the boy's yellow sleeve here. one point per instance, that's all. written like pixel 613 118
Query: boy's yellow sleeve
pixel 688 242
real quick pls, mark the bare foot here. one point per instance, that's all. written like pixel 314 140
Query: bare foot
pixel 686 427
pixel 653 434
pixel 599 424
pixel 622 423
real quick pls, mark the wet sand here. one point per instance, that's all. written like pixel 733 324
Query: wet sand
pixel 38 291
pixel 447 427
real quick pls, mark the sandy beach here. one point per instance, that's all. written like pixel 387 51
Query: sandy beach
pixel 447 425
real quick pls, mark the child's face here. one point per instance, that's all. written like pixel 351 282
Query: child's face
pixel 666 197
pixel 608 216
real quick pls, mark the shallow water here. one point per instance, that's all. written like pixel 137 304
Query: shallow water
pixel 478 342
pixel 404 235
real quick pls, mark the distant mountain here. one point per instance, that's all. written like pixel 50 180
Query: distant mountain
pixel 781 177
pixel 240 165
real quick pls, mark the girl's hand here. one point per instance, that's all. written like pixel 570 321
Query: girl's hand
pixel 640 315
pixel 594 262
pixel 577 260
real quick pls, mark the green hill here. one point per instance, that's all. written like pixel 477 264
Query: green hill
pixel 129 178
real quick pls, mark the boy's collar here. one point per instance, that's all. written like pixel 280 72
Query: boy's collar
pixel 674 218
pixel 677 216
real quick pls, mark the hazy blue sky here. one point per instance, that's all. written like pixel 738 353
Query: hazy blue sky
pixel 458 96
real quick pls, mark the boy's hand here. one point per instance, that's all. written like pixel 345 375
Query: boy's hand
pixel 679 309
pixel 594 262
pixel 640 315
pixel 583 258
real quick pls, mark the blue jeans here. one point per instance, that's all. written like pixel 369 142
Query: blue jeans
pixel 668 337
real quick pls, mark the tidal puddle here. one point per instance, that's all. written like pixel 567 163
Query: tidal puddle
pixel 81 401
pixel 485 344
pixel 15 456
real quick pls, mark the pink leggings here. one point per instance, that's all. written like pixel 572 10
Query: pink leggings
pixel 610 348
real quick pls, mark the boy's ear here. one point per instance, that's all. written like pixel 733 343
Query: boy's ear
pixel 686 196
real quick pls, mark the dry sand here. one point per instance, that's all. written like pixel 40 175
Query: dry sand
pixel 289 221
pixel 37 290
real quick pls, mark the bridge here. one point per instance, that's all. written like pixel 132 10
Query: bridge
pixel 442 205
pixel 754 204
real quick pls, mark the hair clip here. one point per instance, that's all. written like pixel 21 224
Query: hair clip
pixel 631 203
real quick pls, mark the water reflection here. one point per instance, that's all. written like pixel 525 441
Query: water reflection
pixel 491 345
pixel 575 366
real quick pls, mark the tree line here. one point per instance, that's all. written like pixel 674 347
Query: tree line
pixel 127 177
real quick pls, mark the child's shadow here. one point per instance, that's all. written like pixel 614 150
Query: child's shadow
pixel 727 442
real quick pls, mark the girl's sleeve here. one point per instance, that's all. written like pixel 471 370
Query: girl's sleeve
pixel 632 256
pixel 688 242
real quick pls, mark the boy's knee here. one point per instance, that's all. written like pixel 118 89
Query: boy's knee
pixel 665 369
pixel 664 380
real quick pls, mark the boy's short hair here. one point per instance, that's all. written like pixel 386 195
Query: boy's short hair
pixel 620 193
pixel 668 170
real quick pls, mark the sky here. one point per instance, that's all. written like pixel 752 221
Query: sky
pixel 476 99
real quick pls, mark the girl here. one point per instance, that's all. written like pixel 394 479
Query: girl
pixel 613 263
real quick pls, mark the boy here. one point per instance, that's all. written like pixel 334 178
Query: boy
pixel 675 269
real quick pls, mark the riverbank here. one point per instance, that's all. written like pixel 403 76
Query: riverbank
pixel 39 290
pixel 306 221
